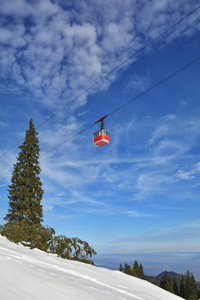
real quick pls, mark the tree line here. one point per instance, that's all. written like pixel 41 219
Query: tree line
pixel 135 270
pixel 186 289
pixel 25 214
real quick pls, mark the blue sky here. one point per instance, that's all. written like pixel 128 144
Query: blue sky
pixel 138 197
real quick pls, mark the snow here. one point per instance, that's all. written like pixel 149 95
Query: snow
pixel 33 274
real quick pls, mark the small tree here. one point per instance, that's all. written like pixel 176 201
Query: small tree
pixel 120 268
pixel 71 248
pixel 25 214
pixel 136 270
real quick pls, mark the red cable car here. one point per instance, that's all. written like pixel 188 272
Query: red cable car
pixel 101 137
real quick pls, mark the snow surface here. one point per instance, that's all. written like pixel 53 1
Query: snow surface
pixel 33 274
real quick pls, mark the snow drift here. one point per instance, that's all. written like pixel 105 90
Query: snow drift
pixel 33 274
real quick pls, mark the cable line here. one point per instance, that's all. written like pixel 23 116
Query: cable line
pixel 120 107
pixel 102 78
pixel 151 51
pixel 128 102
pixel 70 138
pixel 152 87
pixel 117 67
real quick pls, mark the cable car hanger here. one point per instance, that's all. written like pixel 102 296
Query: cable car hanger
pixel 101 137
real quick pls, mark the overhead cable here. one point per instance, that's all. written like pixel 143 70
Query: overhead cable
pixel 102 78
pixel 120 107
pixel 128 102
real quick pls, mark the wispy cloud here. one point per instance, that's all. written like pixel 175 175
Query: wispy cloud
pixel 187 175
pixel 170 240
pixel 137 84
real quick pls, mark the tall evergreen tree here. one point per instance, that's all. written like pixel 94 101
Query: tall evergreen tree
pixel 25 190
pixel 135 269
pixel 166 283
pixel 194 291
pixel 182 287
pixel 190 287
pixel 141 272
pixel 175 286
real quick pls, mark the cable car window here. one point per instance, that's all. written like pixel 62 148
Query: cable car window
pixel 101 137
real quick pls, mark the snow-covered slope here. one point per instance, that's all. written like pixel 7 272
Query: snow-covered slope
pixel 33 274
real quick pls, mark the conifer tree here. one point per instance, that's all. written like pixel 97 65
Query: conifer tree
pixel 194 291
pixel 175 286
pixel 120 268
pixel 191 292
pixel 141 272
pixel 135 268
pixel 25 191
pixel 182 287
pixel 166 283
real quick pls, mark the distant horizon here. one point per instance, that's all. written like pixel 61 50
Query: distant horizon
pixel 147 266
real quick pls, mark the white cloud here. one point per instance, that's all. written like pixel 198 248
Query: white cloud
pixel 152 182
pixel 188 175
pixel 47 207
pixel 137 84
pixel 57 53
pixel 19 8
pixel 136 214
pixel 2 124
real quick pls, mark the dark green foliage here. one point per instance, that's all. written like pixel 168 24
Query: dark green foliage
pixel 166 283
pixel 25 191
pixel 71 248
pixel 35 236
pixel 191 292
pixel 136 270
pixel 120 268
pixel 182 287
pixel 25 214
pixel 187 289
pixel 175 286
pixel 127 269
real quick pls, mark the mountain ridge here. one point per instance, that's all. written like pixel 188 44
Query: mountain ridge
pixel 172 274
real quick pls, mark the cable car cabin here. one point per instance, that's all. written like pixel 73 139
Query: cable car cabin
pixel 101 137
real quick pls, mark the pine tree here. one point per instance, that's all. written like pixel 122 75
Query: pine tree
pixel 191 292
pixel 120 268
pixel 169 286
pixel 166 283
pixel 182 287
pixel 25 214
pixel 127 269
pixel 141 272
pixel 175 286
pixel 194 291
pixel 135 269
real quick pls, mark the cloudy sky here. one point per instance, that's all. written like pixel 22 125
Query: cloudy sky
pixel 66 64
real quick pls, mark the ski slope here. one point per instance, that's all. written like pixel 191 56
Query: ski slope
pixel 32 274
